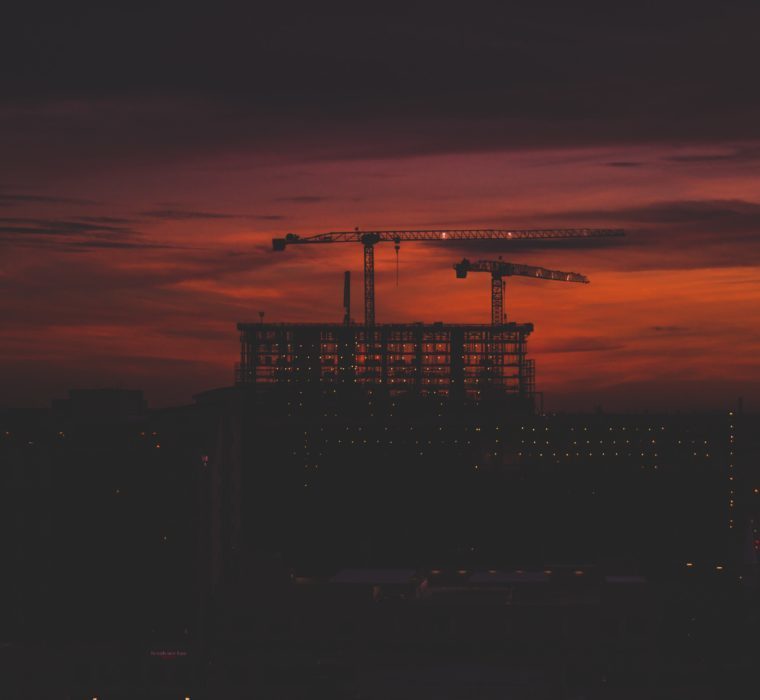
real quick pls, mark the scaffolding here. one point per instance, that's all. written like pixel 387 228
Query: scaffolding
pixel 458 361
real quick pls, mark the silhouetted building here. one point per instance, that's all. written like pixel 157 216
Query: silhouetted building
pixel 95 405
pixel 364 478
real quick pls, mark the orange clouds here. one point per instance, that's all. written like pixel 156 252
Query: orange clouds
pixel 139 279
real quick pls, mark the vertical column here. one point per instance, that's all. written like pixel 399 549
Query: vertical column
pixel 284 341
pixel 419 338
pixel 384 356
pixel 456 360
pixel 369 283
pixel 346 355
pixel 497 299
pixel 308 363
pixel 522 363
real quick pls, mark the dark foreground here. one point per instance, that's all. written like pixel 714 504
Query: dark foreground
pixel 564 632
pixel 296 548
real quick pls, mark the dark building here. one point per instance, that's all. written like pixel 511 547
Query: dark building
pixel 103 405
pixel 99 518
pixel 351 477
pixel 377 527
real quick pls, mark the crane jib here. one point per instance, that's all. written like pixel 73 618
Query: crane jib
pixel 397 236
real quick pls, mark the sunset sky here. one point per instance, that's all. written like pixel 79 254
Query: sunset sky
pixel 147 158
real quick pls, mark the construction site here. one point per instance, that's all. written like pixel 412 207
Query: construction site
pixel 459 362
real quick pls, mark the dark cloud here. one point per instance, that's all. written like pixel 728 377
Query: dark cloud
pixel 725 211
pixel 583 345
pixel 745 154
pixel 669 329
pixel 124 245
pixel 23 226
pixel 624 164
pixel 213 334
pixel 106 219
pixel 73 235
pixel 321 83
pixel 171 214
pixel 733 213
pixel 302 199
pixel 83 246
pixel 7 200
pixel 192 296
pixel 699 158
pixel 681 234
pixel 186 215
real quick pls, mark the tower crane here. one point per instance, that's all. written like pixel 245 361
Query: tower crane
pixel 369 239
pixel 500 269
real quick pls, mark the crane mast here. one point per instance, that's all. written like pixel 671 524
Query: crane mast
pixel 369 239
pixel 500 269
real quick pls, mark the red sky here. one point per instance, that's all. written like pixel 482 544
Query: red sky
pixel 137 209
pixel 668 319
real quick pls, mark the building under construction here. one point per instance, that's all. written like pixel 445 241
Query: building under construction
pixel 459 362
pixel 467 362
